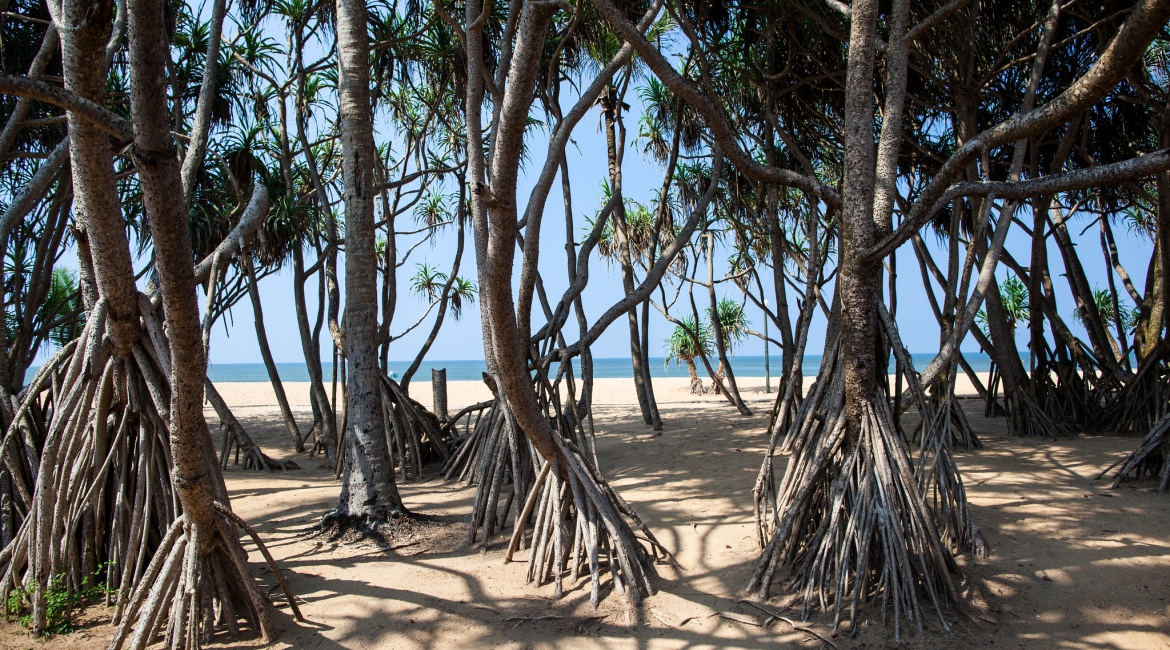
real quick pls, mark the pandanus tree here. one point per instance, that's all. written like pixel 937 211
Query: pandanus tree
pixel 369 496
pixel 681 347
pixel 126 478
pixel 730 322
pixel 573 505
pixel 850 518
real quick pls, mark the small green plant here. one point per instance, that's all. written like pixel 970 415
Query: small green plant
pixel 59 602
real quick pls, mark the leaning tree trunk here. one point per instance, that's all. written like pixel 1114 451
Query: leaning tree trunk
pixel 1153 454
pixel 609 109
pixel 571 500
pixel 200 566
pixel 369 496
pixel 290 421
pixel 720 334
pixel 696 383
pixel 324 425
pixel 107 345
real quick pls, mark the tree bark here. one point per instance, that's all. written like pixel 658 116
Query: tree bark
pixel 610 104
pixel 720 334
pixel 325 422
pixel 1163 230
pixel 83 48
pixel 197 480
pixel 368 492
pixel 859 279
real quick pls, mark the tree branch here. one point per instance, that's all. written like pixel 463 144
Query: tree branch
pixel 102 118
pixel 235 242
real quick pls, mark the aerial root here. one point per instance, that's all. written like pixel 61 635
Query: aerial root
pixel 1026 418
pixel 236 438
pixel 851 523
pixel 414 435
pixel 939 480
pixel 1151 457
pixel 578 519
pixel 197 580
pixel 102 494
pixel 1144 400
pixel 462 465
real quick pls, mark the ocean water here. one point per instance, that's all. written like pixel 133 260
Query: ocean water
pixel 472 369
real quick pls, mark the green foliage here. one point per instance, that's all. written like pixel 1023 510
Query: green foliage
pixel 1014 297
pixel 463 293
pixel 1104 302
pixel 428 281
pixel 60 601
pixel 733 319
pixel 63 300
pixel 680 345
pixel 432 210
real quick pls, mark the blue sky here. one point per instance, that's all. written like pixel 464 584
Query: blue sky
pixel 587 164
pixel 234 341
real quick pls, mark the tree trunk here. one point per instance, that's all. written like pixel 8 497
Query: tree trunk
pixel 720 335
pixel 858 279
pixel 195 476
pixel 1163 228
pixel 95 199
pixel 850 463
pixel 696 383
pixel 585 399
pixel 609 110
pixel 1038 270
pixel 647 375
pixel 290 421
pixel 783 322
pixel 1078 284
pixel 390 280
pixel 324 423
pixel 368 494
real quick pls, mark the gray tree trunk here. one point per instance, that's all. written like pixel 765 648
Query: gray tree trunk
pixel 610 108
pixel 368 490
pixel 858 281
pixel 196 476
pixel 323 416
pixel 95 195
pixel 719 335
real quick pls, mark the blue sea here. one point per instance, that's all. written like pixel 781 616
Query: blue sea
pixel 744 366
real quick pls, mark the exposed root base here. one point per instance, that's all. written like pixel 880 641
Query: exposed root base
pixel 580 524
pixel 1151 458
pixel 346 528
pixel 564 512
pixel 957 430
pixel 848 523
pixel 103 495
pixel 939 479
pixel 1145 400
pixel 1026 418
pixel 854 526
pixel 198 583
pixel 414 435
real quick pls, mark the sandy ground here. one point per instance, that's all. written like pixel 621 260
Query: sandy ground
pixel 1073 564
pixel 667 390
